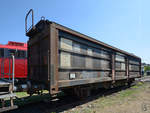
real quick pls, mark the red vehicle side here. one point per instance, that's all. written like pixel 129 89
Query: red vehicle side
pixel 20 52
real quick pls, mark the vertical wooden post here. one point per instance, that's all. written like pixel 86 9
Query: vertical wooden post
pixel 113 68
pixel 127 68
pixel 140 71
pixel 53 59
pixel 11 101
pixel 3 103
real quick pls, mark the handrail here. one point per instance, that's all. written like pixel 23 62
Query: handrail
pixel 9 69
pixel 30 11
pixel 11 75
pixel 13 71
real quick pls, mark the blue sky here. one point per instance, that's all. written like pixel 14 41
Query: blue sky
pixel 124 24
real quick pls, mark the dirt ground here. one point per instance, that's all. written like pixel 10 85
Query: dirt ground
pixel 135 99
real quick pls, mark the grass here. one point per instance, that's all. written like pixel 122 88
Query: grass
pixel 126 93
pixel 21 94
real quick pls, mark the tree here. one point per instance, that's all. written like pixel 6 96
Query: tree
pixel 146 68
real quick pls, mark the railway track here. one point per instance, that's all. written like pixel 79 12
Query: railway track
pixel 63 103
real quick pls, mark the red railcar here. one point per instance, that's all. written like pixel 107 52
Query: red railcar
pixel 20 51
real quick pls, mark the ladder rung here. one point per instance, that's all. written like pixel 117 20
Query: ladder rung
pixel 7 95
pixel 8 108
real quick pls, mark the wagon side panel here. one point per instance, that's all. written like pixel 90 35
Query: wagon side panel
pixel 81 61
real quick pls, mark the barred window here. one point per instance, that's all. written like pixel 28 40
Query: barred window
pixel 20 54
pixel 76 47
pixel 89 51
pixel 133 67
pixel 105 54
pixel 134 62
pixel 10 52
pixel 120 66
pixel 66 44
pixel 120 58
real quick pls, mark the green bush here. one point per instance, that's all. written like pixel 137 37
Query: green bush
pixel 146 68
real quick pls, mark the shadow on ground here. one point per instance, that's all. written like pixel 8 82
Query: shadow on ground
pixel 63 103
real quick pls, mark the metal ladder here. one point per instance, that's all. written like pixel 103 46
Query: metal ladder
pixel 7 85
pixel 26 24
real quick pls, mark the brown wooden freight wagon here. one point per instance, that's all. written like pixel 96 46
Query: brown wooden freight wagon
pixel 61 59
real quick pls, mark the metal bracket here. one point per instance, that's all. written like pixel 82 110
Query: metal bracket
pixel 42 18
